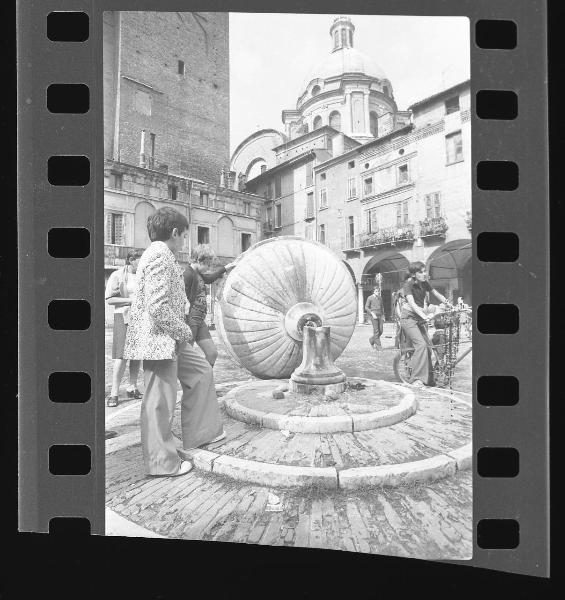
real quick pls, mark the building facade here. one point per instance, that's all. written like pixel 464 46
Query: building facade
pixel 166 135
pixel 379 186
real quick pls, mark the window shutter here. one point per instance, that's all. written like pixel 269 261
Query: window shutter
pixel 108 232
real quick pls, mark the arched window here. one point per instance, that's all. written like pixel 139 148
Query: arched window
pixel 143 211
pixel 344 37
pixel 335 120
pixel 373 117
pixel 316 90
pixel 336 39
pixel 317 122
pixel 351 38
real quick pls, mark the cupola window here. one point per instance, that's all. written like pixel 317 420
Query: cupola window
pixel 336 39
pixel 317 122
pixel 335 120
pixel 374 123
pixel 316 90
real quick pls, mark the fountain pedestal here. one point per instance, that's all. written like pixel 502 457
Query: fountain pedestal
pixel 317 373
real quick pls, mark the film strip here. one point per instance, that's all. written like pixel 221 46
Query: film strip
pixel 61 221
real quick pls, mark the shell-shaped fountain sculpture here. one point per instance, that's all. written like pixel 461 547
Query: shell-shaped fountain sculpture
pixel 276 287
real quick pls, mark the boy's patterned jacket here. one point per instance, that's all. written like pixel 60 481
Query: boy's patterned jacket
pixel 156 321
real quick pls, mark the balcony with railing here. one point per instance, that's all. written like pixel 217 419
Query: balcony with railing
pixel 385 236
pixel 469 220
pixel 433 227
pixel 115 256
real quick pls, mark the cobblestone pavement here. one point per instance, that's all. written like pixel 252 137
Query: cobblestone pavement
pixel 429 521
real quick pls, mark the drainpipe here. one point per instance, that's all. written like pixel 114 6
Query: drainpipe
pixel 116 144
pixel 189 216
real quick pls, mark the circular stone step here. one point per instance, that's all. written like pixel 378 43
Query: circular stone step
pixel 366 404
pixel 433 443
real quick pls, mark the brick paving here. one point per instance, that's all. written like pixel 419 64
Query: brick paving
pixel 429 521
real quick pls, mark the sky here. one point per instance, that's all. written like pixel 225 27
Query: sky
pixel 272 54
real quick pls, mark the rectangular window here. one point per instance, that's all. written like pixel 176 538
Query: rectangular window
pixel 402 213
pixel 368 186
pixel 352 188
pixel 323 177
pixel 452 105
pixel 309 174
pixel 454 147
pixel 269 192
pixel 116 180
pixel 278 215
pixel 351 164
pixel 115 229
pixel 402 175
pixel 310 206
pixel 278 186
pixel 180 67
pixel 372 225
pixel 173 192
pixel 322 234
pixel 245 241
pixel 269 215
pixel 247 208
pixel 323 198
pixel 433 205
pixel 203 235
pixel 204 198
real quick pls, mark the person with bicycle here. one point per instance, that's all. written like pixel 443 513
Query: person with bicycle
pixel 413 321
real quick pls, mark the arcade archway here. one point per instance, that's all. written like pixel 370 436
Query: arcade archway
pixel 450 270
pixel 393 269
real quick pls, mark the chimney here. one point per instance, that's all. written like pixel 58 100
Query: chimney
pixel 142 161
pixel 338 144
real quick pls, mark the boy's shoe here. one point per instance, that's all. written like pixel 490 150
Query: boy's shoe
pixel 418 383
pixel 136 395
pixel 112 401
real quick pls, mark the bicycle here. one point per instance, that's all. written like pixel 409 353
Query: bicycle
pixel 446 354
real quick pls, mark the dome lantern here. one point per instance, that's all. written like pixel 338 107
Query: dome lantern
pixel 341 33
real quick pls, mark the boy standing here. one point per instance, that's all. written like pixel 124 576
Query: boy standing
pixel 158 335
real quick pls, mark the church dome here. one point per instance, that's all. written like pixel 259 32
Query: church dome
pixel 345 60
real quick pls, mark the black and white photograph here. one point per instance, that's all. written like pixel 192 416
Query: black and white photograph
pixel 288 291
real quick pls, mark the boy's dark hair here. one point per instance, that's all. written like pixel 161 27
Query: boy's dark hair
pixel 415 267
pixel 161 223
pixel 133 255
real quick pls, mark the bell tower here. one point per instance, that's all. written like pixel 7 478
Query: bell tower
pixel 341 32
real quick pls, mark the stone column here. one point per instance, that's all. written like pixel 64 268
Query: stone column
pixel 361 305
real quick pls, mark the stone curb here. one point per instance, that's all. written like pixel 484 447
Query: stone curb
pixel 407 406
pixel 275 475
pixel 429 469
pixel 463 456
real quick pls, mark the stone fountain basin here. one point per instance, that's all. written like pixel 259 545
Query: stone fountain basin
pixel 378 404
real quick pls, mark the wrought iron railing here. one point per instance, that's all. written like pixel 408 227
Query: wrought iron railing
pixel 115 256
pixel 433 226
pixel 385 236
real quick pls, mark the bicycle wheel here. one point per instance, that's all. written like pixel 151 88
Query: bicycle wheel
pixel 402 365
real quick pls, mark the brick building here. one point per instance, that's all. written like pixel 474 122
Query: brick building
pixel 379 186
pixel 166 134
